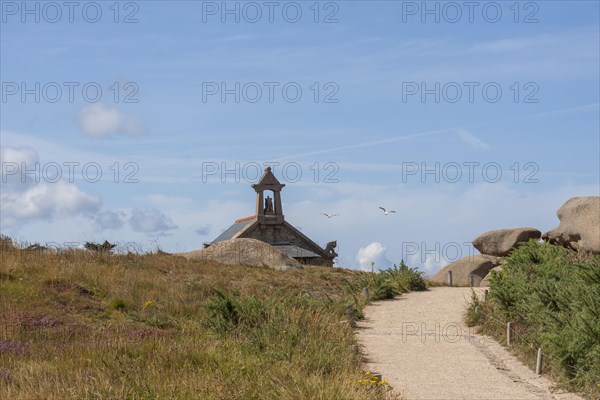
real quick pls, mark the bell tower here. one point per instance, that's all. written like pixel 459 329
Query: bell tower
pixel 268 210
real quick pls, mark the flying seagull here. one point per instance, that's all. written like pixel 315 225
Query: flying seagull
pixel 387 212
pixel 329 216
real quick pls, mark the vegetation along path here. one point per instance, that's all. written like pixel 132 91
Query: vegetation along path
pixel 421 346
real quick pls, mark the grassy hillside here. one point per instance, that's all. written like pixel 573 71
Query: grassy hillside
pixel 552 297
pixel 77 324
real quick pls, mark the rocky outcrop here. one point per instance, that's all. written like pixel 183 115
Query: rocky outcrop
pixel 478 265
pixel 579 230
pixel 499 243
pixel 245 252
pixel 579 227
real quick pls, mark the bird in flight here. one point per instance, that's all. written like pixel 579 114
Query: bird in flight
pixel 387 212
pixel 329 216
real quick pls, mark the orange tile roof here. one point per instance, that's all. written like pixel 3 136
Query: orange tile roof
pixel 245 219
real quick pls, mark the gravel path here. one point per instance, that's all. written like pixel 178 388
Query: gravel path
pixel 422 347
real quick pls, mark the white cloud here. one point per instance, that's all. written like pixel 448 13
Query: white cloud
pixel 28 197
pixel 150 221
pixel 471 139
pixel 18 155
pixel 430 262
pixel 373 253
pixel 13 160
pixel 100 121
pixel 109 220
pixel 44 201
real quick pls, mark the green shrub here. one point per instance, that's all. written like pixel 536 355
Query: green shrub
pixel 405 278
pixel 228 313
pixel 474 311
pixel 550 295
pixel 383 288
pixel 391 282
pixel 117 304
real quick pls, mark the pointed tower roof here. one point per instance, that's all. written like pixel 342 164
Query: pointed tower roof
pixel 268 181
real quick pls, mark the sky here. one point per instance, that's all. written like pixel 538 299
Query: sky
pixel 145 123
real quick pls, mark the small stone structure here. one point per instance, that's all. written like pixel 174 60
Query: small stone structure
pixel 268 225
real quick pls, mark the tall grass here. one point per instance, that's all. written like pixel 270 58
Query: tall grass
pixel 391 282
pixel 552 297
pixel 86 325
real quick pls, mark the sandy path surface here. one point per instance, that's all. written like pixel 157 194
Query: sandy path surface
pixel 424 350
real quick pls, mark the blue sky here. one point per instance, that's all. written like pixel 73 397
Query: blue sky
pixel 368 129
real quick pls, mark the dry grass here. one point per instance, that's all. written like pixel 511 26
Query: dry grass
pixel 75 324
